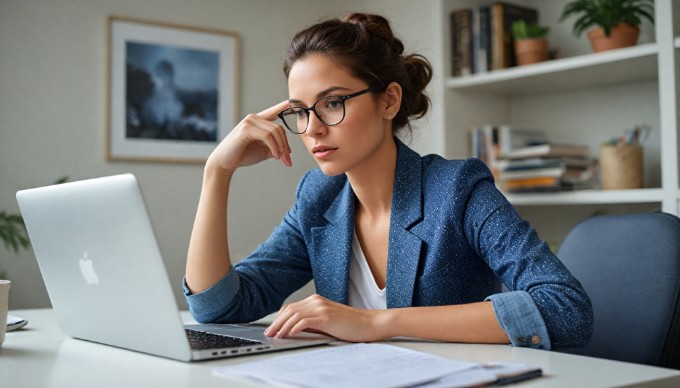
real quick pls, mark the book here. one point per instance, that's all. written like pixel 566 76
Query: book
pixel 485 146
pixel 532 184
pixel 462 45
pixel 465 40
pixel 541 162
pixel 548 150
pixel 541 174
pixel 502 16
pixel 455 54
pixel 483 57
pixel 546 172
pixel 512 138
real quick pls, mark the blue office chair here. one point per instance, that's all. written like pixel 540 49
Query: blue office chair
pixel 630 267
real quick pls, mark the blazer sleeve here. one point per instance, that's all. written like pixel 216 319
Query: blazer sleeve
pixel 258 284
pixel 545 300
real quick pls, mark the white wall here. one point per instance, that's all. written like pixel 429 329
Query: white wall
pixel 52 110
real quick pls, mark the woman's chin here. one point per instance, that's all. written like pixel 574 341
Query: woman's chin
pixel 330 170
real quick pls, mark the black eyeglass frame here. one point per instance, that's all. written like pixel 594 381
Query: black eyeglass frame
pixel 313 108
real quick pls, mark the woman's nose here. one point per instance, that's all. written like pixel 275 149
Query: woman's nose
pixel 315 127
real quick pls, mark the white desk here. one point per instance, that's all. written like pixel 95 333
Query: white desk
pixel 41 356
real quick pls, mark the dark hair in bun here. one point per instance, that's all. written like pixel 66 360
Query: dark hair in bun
pixel 366 46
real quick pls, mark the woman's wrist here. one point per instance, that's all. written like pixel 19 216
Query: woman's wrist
pixel 213 168
pixel 383 322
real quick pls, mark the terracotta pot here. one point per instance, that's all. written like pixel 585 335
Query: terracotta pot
pixel 622 35
pixel 529 51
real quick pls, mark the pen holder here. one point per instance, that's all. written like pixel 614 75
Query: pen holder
pixel 621 166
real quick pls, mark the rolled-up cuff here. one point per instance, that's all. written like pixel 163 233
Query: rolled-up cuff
pixel 520 319
pixel 209 305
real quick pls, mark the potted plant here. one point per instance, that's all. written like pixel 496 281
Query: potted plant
pixel 13 231
pixel 611 24
pixel 531 46
pixel 12 234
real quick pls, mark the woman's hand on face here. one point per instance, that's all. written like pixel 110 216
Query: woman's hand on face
pixel 318 314
pixel 256 138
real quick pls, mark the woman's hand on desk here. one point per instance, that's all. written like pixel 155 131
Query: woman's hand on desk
pixel 256 138
pixel 318 314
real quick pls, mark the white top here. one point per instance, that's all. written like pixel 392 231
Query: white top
pixel 364 292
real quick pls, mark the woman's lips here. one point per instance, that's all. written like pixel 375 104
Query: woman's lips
pixel 323 152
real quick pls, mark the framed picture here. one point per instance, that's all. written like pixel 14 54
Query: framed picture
pixel 173 90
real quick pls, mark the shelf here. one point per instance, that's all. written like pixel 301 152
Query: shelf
pixel 626 65
pixel 586 197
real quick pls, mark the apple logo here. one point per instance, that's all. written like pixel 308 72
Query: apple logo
pixel 87 269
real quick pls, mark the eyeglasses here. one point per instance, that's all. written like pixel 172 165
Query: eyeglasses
pixel 330 110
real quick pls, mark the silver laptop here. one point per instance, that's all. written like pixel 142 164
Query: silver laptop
pixel 106 279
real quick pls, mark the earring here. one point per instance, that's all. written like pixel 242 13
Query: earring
pixel 389 116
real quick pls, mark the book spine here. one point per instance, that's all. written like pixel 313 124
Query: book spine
pixel 455 53
pixel 484 55
pixel 476 43
pixel 491 149
pixel 465 41
pixel 502 15
pixel 496 28
pixel 474 143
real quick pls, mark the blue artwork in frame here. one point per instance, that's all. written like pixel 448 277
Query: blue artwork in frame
pixel 173 90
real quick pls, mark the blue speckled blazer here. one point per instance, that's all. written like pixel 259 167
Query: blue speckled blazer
pixel 453 238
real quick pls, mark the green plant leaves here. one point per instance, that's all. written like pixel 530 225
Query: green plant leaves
pixel 607 13
pixel 13 232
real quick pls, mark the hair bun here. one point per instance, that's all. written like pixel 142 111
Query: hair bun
pixel 420 74
pixel 378 26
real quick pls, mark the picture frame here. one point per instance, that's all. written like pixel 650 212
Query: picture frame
pixel 173 90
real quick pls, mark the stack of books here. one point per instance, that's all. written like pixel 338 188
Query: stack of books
pixel 481 39
pixel 546 167
pixel 523 160
pixel 489 142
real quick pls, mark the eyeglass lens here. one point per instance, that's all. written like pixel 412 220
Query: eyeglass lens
pixel 330 110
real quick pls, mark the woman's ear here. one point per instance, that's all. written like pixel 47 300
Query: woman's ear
pixel 391 100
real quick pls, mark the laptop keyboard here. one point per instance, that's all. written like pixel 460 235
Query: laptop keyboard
pixel 203 340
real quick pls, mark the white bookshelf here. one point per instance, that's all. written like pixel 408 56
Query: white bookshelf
pixel 583 197
pixel 632 86
pixel 632 64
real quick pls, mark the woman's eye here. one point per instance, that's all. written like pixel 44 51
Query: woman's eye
pixel 333 104
pixel 300 113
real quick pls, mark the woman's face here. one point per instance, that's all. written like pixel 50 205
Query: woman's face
pixel 361 134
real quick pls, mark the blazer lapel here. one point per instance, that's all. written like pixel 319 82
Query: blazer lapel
pixel 404 247
pixel 332 248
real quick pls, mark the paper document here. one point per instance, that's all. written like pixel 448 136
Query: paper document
pixel 358 365
pixel 373 366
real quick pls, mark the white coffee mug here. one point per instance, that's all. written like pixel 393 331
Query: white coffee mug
pixel 4 305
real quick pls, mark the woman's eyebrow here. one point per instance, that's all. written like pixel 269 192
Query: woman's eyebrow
pixel 321 94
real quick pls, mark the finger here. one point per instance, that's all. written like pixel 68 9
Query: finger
pixel 293 320
pixel 281 317
pixel 278 134
pixel 270 142
pixel 271 112
pixel 305 324
pixel 285 314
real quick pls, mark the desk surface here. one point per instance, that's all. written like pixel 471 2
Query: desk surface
pixel 41 356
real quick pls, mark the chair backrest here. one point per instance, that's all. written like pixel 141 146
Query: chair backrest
pixel 630 267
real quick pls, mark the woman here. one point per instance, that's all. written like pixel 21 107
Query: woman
pixel 397 244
